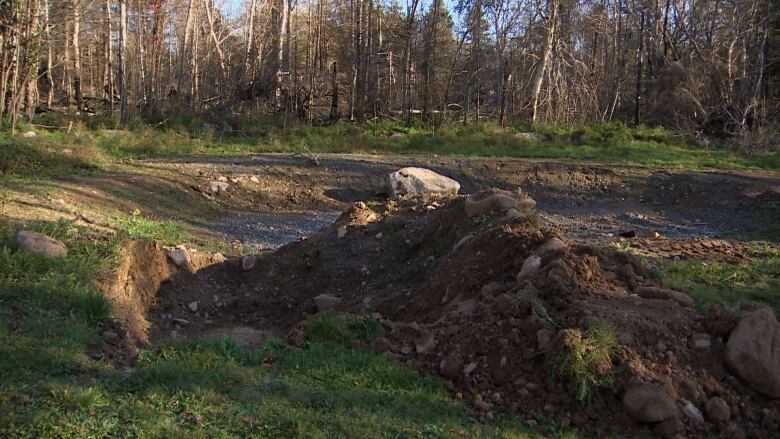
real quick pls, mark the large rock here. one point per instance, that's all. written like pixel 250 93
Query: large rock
pixel 649 403
pixel 495 199
pixel 38 244
pixel 416 181
pixel 753 351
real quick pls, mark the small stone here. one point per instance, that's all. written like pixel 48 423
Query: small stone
pixel 193 306
pixel 341 231
pixel 450 366
pixel 531 265
pixel 325 302
pixel 248 262
pixel 218 187
pixel 254 179
pixel 718 410
pixel 467 369
pixel 425 344
pixel 28 134
pixel 693 413
pixel 110 335
pixel 180 258
pixel 378 235
pixel 733 431
pixel 701 341
pixel 406 350
pixel 512 213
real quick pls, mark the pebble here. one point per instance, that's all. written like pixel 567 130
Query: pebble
pixel 193 306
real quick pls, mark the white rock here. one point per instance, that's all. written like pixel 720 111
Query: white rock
pixel 29 134
pixel 218 187
pixel 193 306
pixel 417 181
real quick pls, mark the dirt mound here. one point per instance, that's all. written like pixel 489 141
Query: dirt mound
pixel 513 316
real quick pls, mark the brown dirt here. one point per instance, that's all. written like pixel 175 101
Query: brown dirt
pixel 444 287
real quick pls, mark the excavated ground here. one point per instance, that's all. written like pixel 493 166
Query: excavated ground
pixel 445 286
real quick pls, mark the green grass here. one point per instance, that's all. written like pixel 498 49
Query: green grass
pixel 586 362
pixel 51 315
pixel 139 227
pixel 85 149
pixel 724 283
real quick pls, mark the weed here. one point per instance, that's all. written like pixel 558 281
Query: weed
pixel 479 220
pixel 586 361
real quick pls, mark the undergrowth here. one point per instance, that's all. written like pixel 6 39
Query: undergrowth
pixel 586 361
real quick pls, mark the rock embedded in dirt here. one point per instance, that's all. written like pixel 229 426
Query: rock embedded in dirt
pixel 718 410
pixel 218 187
pixel 341 232
pixel 550 249
pixel 39 244
pixel 753 351
pixel 665 294
pixel 418 181
pixel 492 200
pixel 701 341
pixel 326 302
pixel 425 344
pixel 692 413
pixel 531 265
pixel 180 257
pixel 248 262
pixel 649 403
pixel 193 306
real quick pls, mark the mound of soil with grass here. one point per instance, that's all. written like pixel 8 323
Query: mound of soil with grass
pixel 513 316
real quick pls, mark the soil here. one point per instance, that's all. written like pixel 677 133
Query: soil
pixel 445 286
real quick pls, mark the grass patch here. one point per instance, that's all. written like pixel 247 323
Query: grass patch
pixel 724 283
pixel 139 227
pixel 586 361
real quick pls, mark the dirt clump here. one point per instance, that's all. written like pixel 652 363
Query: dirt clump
pixel 577 339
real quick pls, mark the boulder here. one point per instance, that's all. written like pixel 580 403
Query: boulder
pixel 649 403
pixel 753 351
pixel 718 410
pixel 325 302
pixel 665 294
pixel 38 244
pixel 492 200
pixel 218 187
pixel 417 181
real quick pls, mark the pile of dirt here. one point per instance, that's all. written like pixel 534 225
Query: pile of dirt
pixel 515 317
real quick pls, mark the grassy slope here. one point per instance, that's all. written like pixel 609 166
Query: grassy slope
pixel 50 387
pixel 88 149
pixel 727 284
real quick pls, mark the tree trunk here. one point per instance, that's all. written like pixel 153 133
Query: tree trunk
pixel 536 84
pixel 124 116
pixel 77 55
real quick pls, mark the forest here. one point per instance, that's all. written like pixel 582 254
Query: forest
pixel 706 67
